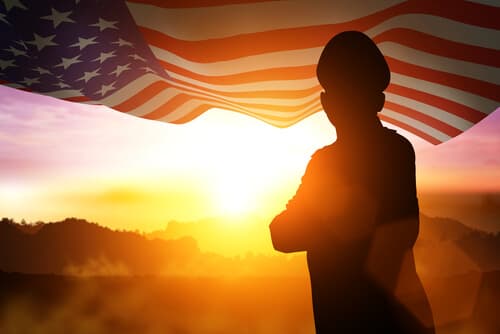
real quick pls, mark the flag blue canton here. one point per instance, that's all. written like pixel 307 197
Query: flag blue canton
pixel 90 47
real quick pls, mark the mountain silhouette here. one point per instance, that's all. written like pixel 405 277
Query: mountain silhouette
pixel 73 245
pixel 55 247
pixel 461 297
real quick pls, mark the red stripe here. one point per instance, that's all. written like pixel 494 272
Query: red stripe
pixel 77 99
pixel 452 107
pixel 411 129
pixel 426 119
pixel 440 46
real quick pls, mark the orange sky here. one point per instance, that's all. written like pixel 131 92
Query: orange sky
pixel 60 159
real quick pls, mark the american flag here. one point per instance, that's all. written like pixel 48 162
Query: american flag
pixel 174 60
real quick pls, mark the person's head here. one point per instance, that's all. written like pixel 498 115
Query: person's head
pixel 353 73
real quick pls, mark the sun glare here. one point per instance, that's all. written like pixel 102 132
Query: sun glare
pixel 232 199
pixel 13 195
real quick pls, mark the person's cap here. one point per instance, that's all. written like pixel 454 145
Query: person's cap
pixel 352 61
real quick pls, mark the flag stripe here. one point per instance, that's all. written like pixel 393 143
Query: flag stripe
pixel 196 24
pixel 205 23
pixel 235 47
pixel 419 116
pixel 412 129
pixel 455 108
pixel 440 46
pixel 430 111
pixel 451 80
pixel 410 121
pixel 457 67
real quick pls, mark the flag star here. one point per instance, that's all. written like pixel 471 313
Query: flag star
pixel 147 69
pixel 9 4
pixel 103 24
pixel 41 70
pixel 7 63
pixel 21 43
pixel 58 17
pixel 89 75
pixel 42 42
pixel 84 42
pixel 105 55
pixel 137 57
pixel 61 84
pixel 2 18
pixel 29 82
pixel 120 68
pixel 67 62
pixel 122 42
pixel 16 52
pixel 106 88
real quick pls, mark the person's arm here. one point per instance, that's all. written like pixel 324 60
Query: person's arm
pixel 293 229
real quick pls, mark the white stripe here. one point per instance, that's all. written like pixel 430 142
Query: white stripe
pixel 449 65
pixel 477 102
pixel 64 94
pixel 223 21
pixel 263 61
pixel 442 28
pixel 416 124
pixel 429 110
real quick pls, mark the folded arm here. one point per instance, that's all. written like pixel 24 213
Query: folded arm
pixel 293 229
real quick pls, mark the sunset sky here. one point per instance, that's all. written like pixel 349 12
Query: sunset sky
pixel 60 159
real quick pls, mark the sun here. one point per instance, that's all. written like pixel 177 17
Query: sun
pixel 235 195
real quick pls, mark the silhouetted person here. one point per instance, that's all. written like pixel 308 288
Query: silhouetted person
pixel 356 211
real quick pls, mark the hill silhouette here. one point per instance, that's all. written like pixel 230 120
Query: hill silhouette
pixel 59 247
pixel 169 284
pixel 76 246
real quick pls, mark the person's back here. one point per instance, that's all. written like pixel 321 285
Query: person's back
pixel 356 211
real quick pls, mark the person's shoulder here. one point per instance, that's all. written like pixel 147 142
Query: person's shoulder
pixel 325 152
pixel 398 142
pixel 397 139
